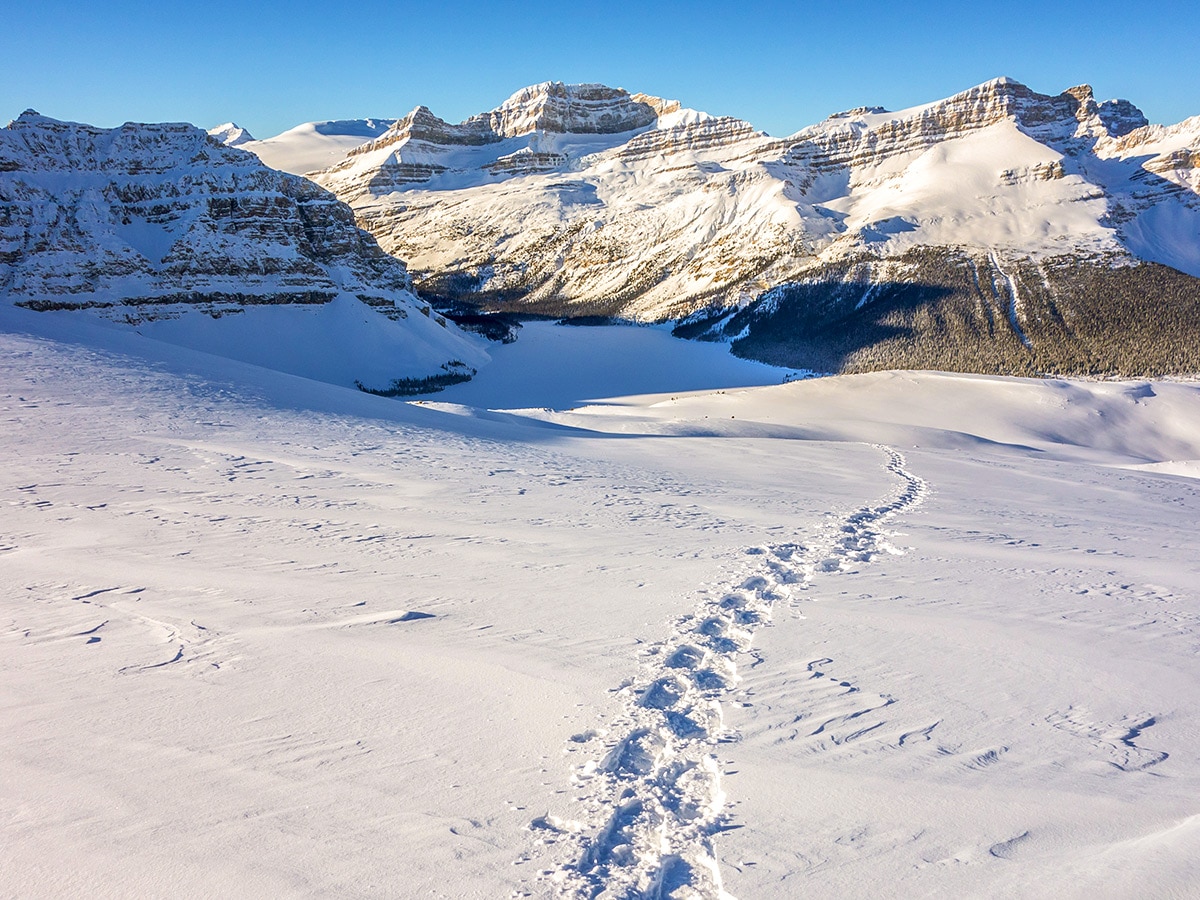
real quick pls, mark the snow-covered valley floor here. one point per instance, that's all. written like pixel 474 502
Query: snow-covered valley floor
pixel 904 634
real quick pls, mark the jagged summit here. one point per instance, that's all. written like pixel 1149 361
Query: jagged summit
pixel 541 128
pixel 575 109
pixel 550 107
pixel 1074 113
pixel 231 134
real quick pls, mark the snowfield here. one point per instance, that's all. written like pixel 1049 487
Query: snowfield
pixel 665 627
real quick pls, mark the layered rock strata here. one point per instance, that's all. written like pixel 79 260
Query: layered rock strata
pixel 146 215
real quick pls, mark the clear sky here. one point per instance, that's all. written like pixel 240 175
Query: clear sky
pixel 781 65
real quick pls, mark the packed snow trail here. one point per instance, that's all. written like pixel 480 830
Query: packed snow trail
pixel 656 791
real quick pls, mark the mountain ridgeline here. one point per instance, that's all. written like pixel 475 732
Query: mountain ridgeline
pixel 999 230
pixel 950 310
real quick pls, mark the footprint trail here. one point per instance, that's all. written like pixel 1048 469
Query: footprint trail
pixel 655 795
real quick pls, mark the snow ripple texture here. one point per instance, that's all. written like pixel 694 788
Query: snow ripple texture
pixel 656 791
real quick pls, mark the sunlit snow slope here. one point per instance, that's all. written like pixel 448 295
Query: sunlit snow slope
pixel 689 208
pixel 905 634
pixel 311 146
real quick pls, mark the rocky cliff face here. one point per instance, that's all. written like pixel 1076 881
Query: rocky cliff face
pixel 560 108
pixel 869 137
pixel 145 214
pixel 147 223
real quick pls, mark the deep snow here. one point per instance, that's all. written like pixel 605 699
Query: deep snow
pixel 939 635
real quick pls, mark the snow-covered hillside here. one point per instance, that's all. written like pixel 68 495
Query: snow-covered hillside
pixel 307 147
pixel 901 633
pixel 163 229
pixel 1006 206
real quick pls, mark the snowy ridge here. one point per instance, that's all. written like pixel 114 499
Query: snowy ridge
pixel 546 127
pixel 311 145
pixel 656 793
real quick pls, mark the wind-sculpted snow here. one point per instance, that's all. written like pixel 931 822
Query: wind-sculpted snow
pixel 307 147
pixel 375 640
pixel 656 793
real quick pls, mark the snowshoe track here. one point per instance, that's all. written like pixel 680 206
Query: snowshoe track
pixel 656 791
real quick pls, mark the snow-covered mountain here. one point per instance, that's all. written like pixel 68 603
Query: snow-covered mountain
pixel 231 134
pixel 307 147
pixel 163 228
pixel 997 230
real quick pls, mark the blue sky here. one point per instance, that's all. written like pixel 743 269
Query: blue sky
pixel 782 66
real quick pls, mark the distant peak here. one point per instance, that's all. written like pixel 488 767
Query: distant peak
pixel 1001 85
pixel 32 117
pixel 231 134
pixel 587 108
pixel 420 115
pixel 859 111
pixel 558 89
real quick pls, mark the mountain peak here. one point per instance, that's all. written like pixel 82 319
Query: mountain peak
pixel 582 91
pixel 33 117
pixel 160 226
pixel 231 134
pixel 549 107
pixel 1072 113
pixel 587 108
